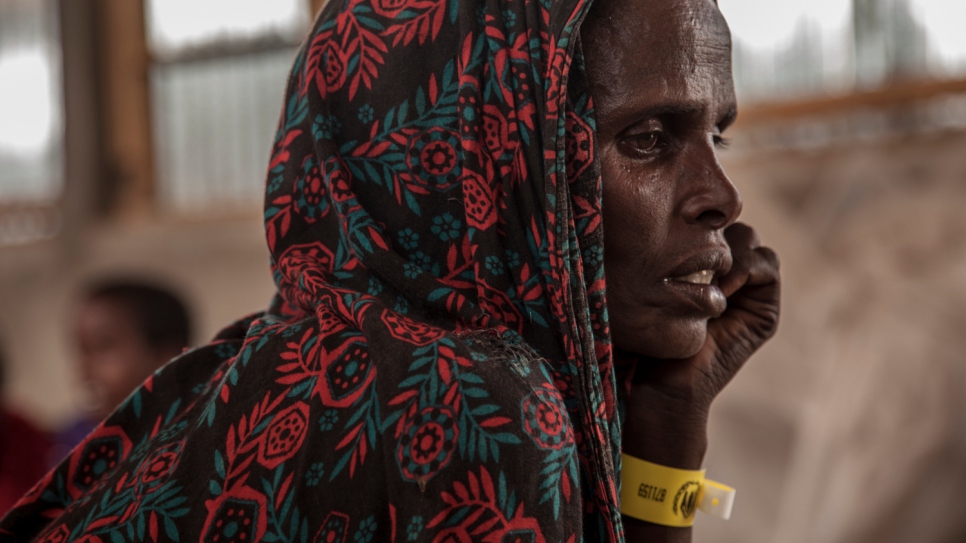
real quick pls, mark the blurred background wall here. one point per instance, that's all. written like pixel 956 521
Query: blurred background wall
pixel 134 136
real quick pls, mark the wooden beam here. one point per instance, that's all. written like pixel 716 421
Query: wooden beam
pixel 892 96
pixel 124 70
pixel 84 192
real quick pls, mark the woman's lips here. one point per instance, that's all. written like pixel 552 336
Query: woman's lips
pixel 690 288
pixel 702 277
pixel 698 291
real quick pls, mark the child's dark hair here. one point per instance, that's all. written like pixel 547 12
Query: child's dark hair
pixel 160 316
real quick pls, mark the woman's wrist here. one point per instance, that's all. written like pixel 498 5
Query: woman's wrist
pixel 666 431
pixel 669 432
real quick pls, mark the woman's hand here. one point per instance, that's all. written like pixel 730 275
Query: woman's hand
pixel 667 410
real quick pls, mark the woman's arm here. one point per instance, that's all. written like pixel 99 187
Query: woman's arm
pixel 671 434
pixel 669 401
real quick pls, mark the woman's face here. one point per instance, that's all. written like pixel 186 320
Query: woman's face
pixel 660 77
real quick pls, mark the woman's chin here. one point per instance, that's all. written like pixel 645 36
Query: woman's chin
pixel 679 340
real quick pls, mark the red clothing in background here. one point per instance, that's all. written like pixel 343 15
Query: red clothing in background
pixel 23 455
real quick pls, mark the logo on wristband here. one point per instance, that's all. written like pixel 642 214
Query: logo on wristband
pixel 686 500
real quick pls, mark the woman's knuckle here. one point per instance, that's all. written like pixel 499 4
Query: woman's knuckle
pixel 770 256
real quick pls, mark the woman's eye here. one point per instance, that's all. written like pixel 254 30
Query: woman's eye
pixel 646 143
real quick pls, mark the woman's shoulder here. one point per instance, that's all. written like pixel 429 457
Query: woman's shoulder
pixel 314 424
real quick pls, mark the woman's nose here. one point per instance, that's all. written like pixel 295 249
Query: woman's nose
pixel 712 200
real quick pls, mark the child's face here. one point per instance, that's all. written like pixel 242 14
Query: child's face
pixel 114 356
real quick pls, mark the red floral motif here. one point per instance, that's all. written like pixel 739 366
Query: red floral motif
pixel 470 113
pixel 432 158
pixel 405 329
pixel 329 321
pixel 495 131
pixel 389 8
pixel 580 149
pixel 310 195
pixel 422 22
pixel 438 158
pixel 58 534
pixel 281 153
pixel 307 265
pixel 497 304
pixel 559 62
pixel 341 372
pixel 237 516
pixel 96 458
pixel 338 180
pixel 331 74
pixel 478 201
pixel 284 435
pixel 348 371
pixel 156 469
pixel 545 419
pixel 427 444
pixel 159 466
pixel 474 504
pixel 549 418
pixel 309 354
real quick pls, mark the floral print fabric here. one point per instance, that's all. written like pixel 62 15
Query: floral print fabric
pixel 436 365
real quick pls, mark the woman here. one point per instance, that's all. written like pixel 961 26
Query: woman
pixel 438 363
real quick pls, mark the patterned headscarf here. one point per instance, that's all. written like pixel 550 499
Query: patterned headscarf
pixel 437 363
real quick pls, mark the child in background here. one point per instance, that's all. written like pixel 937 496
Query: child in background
pixel 23 449
pixel 124 331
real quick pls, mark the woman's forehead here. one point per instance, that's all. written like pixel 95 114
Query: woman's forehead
pixel 669 30
pixel 672 52
pixel 631 14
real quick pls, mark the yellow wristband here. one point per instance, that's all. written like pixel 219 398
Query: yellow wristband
pixel 659 494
